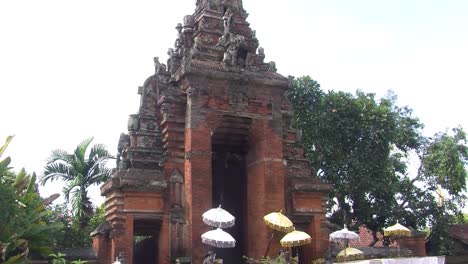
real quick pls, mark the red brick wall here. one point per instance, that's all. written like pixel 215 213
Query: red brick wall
pixel 366 238
pixel 416 243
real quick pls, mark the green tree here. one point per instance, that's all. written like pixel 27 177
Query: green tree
pixel 23 230
pixel 79 172
pixel 358 145
pixel 444 160
pixel 72 235
pixel 362 146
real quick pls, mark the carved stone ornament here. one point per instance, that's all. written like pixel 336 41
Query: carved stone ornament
pixel 133 123
pixel 159 67
pixel 238 99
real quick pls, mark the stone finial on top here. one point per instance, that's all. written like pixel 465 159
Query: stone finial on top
pixel 188 22
pixel 222 5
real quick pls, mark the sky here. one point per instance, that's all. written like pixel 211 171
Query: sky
pixel 70 69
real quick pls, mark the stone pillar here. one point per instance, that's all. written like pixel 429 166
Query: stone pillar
pixel 122 240
pixel 265 185
pixel 197 186
pixel 316 248
pixel 162 242
pixel 416 243
pixel 101 247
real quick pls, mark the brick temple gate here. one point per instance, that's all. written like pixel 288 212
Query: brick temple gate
pixel 213 128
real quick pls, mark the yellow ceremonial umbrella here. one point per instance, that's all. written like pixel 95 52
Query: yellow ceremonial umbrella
pixel 397 231
pixel 349 254
pixel 279 222
pixel 295 239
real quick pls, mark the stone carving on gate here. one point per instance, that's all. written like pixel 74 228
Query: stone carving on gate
pixel 122 147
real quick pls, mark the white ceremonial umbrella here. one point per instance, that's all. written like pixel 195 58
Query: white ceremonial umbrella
pixel 218 217
pixel 343 235
pixel 218 238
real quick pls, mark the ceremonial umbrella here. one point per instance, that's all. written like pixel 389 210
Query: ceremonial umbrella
pixel 343 235
pixel 295 239
pixel 279 222
pixel 218 217
pixel 397 231
pixel 218 238
pixel 350 254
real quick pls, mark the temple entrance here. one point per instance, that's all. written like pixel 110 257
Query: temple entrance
pixel 229 183
pixel 145 246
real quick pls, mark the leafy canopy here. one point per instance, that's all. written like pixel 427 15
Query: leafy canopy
pixel 23 229
pixel 362 147
pixel 79 171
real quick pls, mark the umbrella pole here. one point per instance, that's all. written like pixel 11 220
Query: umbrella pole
pixel 345 254
pixel 269 244
pixel 345 247
pixel 297 254
pixel 398 242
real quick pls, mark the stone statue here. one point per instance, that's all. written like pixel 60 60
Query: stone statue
pixel 272 66
pixel 124 143
pixel 228 19
pixel 232 44
pixel 209 258
pixel 179 43
pixel 253 34
pixel 287 257
pixel 157 64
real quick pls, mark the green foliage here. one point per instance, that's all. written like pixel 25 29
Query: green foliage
pixel 78 262
pixel 72 235
pixel 357 144
pixel 58 258
pixel 23 229
pixel 79 172
pixel 361 146
pixel 444 163
pixel 440 241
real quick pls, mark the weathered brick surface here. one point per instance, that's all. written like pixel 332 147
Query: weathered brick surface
pixel 416 243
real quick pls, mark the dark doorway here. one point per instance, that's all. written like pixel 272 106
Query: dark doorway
pixel 145 247
pixel 229 180
pixel 144 250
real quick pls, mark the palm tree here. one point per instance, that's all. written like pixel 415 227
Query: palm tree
pixel 78 173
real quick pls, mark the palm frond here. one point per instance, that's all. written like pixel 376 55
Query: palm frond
pixel 56 170
pixel 72 186
pixel 77 203
pixel 80 150
pixel 98 178
pixel 5 145
pixel 97 165
pixel 59 155
pixel 98 151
